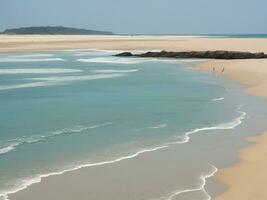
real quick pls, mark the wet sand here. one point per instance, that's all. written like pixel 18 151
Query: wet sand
pixel 134 179
pixel 246 180
pixel 251 72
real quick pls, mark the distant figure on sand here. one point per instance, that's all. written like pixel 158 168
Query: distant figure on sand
pixel 213 69
pixel 223 70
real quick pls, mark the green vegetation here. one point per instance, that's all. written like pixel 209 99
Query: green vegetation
pixel 53 30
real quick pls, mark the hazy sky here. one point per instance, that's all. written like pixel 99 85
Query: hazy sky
pixel 140 16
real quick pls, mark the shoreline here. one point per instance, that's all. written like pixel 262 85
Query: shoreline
pixel 45 178
pixel 247 178
pixel 241 179
pixel 251 72
pixel 202 188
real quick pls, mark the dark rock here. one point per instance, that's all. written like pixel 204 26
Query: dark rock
pixel 125 54
pixel 199 54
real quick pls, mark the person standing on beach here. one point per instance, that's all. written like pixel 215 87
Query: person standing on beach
pixel 223 70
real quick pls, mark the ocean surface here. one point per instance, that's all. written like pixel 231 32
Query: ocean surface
pixel 239 35
pixel 61 111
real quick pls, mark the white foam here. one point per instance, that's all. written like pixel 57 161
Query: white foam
pixel 79 129
pixel 76 78
pixel 33 55
pixel 100 125
pixel 224 126
pixel 115 60
pixel 94 52
pixel 57 80
pixel 112 52
pixel 14 59
pixel 158 126
pixel 203 179
pixel 13 144
pixel 229 125
pixel 38 71
pixel 218 99
pixel 8 148
pixel 104 71
pixel 26 85
pixel 27 182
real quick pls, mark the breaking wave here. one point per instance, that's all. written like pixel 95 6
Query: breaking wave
pixel 33 55
pixel 57 80
pixel 14 59
pixel 12 144
pixel 224 126
pixel 158 126
pixel 38 71
pixel 104 71
pixel 218 99
pixel 115 60
pixel 203 179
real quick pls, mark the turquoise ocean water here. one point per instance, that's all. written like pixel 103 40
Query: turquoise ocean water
pixel 63 110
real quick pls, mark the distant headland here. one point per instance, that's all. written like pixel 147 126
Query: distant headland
pixel 53 30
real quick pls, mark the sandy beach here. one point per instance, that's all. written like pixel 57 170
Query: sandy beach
pixel 251 72
pixel 247 179
pixel 9 43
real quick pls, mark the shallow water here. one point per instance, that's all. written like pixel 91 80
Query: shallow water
pixel 64 110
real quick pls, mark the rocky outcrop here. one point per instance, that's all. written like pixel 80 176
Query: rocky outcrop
pixel 125 54
pixel 198 54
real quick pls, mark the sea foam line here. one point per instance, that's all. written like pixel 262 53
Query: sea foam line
pixel 8 148
pixel 33 55
pixel 104 71
pixel 76 78
pixel 218 99
pixel 79 129
pixel 224 126
pixel 95 52
pixel 115 60
pixel 158 126
pixel 230 125
pixel 26 85
pixel 203 178
pixel 38 71
pixel 58 80
pixel 30 59
pixel 38 178
pixel 13 144
pixel 109 52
